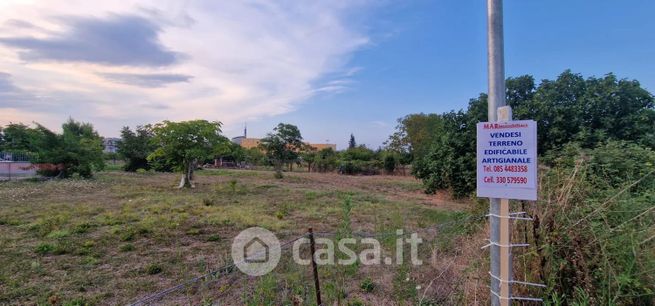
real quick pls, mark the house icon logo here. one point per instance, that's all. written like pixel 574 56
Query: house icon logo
pixel 256 251
pixel 250 254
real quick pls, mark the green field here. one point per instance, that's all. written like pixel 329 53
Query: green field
pixel 122 236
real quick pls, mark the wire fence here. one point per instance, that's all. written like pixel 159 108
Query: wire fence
pixel 228 269
pixel 16 157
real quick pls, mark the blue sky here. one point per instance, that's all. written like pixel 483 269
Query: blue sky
pixel 332 68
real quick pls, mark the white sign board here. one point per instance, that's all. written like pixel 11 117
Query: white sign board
pixel 507 160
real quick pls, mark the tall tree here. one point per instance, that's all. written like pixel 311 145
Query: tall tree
pixel 183 144
pixel 570 109
pixel 17 137
pixel 135 147
pixel 78 150
pixel 282 146
pixel 309 155
pixel 351 143
pixel 415 133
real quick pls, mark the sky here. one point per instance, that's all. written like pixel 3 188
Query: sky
pixel 330 67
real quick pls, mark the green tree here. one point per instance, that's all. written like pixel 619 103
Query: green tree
pixel 351 143
pixel 78 150
pixel 587 112
pixel 183 144
pixel 389 163
pixel 326 160
pixel 17 137
pixel 309 156
pixel 135 146
pixel 255 157
pixel 415 133
pixel 282 146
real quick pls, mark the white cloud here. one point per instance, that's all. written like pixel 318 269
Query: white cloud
pixel 244 60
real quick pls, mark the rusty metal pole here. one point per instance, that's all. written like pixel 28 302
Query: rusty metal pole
pixel 312 248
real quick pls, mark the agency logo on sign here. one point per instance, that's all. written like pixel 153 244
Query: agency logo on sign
pixel 256 251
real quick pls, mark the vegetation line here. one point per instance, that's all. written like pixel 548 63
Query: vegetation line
pixel 611 199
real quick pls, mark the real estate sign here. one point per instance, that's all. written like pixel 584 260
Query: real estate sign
pixel 507 160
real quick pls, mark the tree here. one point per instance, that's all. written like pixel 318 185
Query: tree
pixel 255 156
pixel 17 137
pixel 326 160
pixel 570 109
pixel 135 147
pixel 282 146
pixel 415 133
pixel 351 143
pixel 309 156
pixel 183 144
pixel 389 163
pixel 78 150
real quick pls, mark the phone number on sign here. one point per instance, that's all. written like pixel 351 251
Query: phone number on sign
pixel 506 179
pixel 512 168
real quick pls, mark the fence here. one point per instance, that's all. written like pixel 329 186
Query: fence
pixel 312 285
pixel 15 157
pixel 16 165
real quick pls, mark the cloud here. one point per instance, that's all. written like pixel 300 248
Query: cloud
pixel 146 80
pixel 140 61
pixel 115 40
pixel 12 96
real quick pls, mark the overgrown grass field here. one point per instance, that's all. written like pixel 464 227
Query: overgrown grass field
pixel 121 236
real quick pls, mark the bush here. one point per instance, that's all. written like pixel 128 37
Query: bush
pixel 389 163
pixel 153 269
pixel 355 167
pixel 592 226
pixel 367 285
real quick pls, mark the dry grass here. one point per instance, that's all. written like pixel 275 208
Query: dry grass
pixel 122 236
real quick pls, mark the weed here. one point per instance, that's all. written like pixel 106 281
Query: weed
pixel 127 235
pixel 367 285
pixel 282 212
pixel 233 186
pixel 128 247
pixel 194 231
pixel 76 302
pixel 214 237
pixel 58 234
pixel 355 302
pixel 153 269
pixel 90 261
pixel 44 248
pixel 265 292
pixel 82 228
pixel 404 287
pixel 208 202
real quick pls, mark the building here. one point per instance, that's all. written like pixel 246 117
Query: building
pixel 248 143
pixel 110 144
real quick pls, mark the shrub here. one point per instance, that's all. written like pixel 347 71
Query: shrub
pixel 153 269
pixel 44 248
pixel 592 234
pixel 389 163
pixel 208 202
pixel 214 237
pixel 367 285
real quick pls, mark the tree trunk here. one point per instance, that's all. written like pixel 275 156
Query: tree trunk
pixel 187 176
pixel 277 166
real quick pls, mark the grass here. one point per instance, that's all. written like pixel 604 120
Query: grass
pixel 121 236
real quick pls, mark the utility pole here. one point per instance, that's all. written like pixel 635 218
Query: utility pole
pixel 500 249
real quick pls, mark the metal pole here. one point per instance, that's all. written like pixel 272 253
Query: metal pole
pixel 496 98
pixel 312 248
